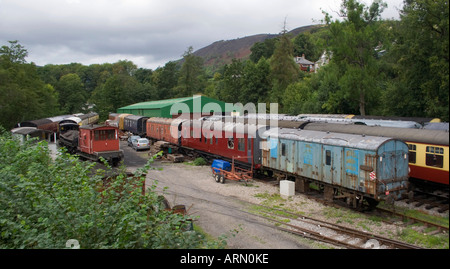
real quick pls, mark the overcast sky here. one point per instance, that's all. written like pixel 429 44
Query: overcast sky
pixel 148 32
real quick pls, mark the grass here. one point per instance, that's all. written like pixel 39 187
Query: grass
pixel 444 221
pixel 412 236
pixel 274 200
pixel 417 234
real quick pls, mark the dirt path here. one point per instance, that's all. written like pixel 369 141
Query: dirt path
pixel 221 209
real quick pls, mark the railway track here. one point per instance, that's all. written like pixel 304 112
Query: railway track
pixel 328 232
pixel 311 228
pixel 411 220
pixel 429 200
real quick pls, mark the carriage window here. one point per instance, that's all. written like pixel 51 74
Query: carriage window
pixel 249 144
pixel 435 157
pixel 328 157
pixel 230 143
pixel 104 135
pixel 241 144
pixel 283 149
pixel 412 153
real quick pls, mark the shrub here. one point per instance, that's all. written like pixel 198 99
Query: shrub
pixel 46 202
pixel 200 161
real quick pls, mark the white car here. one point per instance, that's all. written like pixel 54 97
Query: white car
pixel 131 138
pixel 141 143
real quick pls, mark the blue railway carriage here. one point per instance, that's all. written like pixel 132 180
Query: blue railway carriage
pixel 355 168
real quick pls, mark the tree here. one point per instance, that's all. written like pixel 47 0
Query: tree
pixel 284 70
pixel 72 96
pixel 304 46
pixel 232 81
pixel 119 90
pixel 192 75
pixel 24 96
pixel 263 49
pixel 15 53
pixel 165 80
pixel 353 42
pixel 256 82
pixel 420 59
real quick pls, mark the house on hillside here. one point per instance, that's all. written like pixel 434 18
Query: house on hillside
pixel 305 65
pixel 323 60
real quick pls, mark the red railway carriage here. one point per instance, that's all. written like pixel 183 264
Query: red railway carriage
pixel 95 141
pixel 164 129
pixel 227 140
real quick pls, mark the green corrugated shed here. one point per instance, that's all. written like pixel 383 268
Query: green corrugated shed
pixel 162 108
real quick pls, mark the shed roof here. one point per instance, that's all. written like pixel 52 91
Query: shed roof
pixel 169 102
pixel 156 104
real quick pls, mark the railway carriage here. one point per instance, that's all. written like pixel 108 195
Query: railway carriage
pixel 353 167
pixel 121 120
pixel 428 149
pixel 225 140
pixel 97 141
pixel 164 129
pixel 93 142
pixel 43 124
pixel 136 124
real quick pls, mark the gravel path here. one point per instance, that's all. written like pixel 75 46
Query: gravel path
pixel 221 208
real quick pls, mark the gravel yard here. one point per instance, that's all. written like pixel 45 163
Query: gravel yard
pixel 223 209
pixel 228 210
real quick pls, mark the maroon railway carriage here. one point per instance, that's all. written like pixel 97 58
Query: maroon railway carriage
pixel 226 140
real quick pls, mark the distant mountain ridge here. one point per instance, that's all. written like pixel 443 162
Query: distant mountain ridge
pixel 222 52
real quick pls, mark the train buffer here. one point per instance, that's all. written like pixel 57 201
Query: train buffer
pixel 223 170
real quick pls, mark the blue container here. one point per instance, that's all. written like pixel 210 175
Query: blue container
pixel 224 165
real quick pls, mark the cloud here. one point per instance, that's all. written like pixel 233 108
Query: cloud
pixel 148 32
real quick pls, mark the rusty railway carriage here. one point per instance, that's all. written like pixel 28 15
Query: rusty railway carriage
pixel 428 149
pixel 92 142
pixel 95 141
pixel 353 167
pixel 164 129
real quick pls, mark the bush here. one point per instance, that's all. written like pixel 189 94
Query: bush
pixel 46 202
pixel 200 161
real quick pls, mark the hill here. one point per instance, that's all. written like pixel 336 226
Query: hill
pixel 222 52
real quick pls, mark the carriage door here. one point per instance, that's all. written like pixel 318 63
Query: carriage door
pixel 332 165
pixel 287 156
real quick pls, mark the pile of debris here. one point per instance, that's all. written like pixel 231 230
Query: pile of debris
pixel 169 151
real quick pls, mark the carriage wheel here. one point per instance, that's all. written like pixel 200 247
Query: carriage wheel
pixel 216 177
pixel 222 179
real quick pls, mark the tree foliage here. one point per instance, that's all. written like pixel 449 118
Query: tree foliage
pixel 420 60
pixel 45 202
pixel 284 70
pixel 353 43
pixel 23 95
pixel 192 75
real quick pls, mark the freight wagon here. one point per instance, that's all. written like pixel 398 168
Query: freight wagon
pixel 356 168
